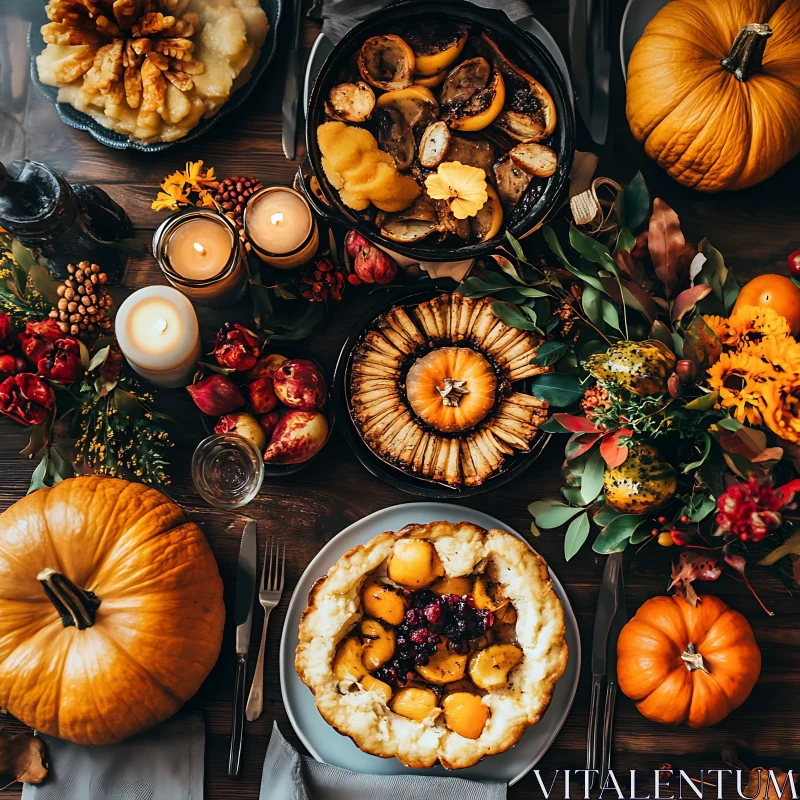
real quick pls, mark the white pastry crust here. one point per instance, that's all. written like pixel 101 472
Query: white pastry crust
pixel 334 607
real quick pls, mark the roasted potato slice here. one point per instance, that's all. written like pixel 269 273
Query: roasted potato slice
pixel 511 181
pixel 535 159
pixel 350 102
pixel 433 144
pixel 386 62
pixel 395 137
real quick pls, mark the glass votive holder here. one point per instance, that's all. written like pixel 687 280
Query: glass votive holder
pixel 280 227
pixel 200 253
pixel 227 470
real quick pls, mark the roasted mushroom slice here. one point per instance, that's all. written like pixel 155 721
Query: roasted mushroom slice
pixel 473 95
pixel 433 145
pixel 386 62
pixel 487 222
pixel 436 46
pixel 350 102
pixel 511 181
pixel 535 159
pixel 416 104
pixel 475 152
pixel 530 114
pixel 411 225
pixel 395 137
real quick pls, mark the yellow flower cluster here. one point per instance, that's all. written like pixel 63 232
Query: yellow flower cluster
pixel 758 374
pixel 189 187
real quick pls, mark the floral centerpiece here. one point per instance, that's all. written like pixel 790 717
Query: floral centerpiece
pixel 680 394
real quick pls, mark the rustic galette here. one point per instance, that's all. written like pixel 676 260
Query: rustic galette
pixel 441 642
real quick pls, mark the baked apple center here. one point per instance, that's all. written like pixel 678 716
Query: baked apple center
pixel 451 388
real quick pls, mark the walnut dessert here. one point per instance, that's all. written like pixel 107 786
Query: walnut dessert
pixel 441 642
pixel 150 69
pixel 431 390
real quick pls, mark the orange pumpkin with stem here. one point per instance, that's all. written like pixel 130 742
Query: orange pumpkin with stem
pixel 685 664
pixel 714 90
pixel 111 610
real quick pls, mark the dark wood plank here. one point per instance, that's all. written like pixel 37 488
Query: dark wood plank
pixel 755 230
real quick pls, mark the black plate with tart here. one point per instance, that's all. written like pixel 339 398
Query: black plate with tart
pixel 422 86
pixel 431 388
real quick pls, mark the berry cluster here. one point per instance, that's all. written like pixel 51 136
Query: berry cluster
pixel 430 619
pixel 324 281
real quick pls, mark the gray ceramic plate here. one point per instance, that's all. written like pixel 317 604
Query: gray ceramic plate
pixel 637 14
pixel 83 122
pixel 325 744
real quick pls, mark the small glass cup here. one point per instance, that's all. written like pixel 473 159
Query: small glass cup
pixel 227 470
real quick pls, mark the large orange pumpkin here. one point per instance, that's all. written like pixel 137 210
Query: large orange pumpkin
pixel 714 90
pixel 681 663
pixel 111 610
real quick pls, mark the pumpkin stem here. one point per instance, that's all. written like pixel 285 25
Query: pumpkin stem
pixel 75 606
pixel 693 660
pixel 747 51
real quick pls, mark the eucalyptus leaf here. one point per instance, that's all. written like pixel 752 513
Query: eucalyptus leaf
pixel 699 462
pixel 704 403
pixel 615 536
pixel 38 476
pixel 22 255
pixel 610 314
pixel 592 478
pixel 633 203
pixel 572 494
pixel 507 267
pixel 707 505
pixel 548 353
pixel 551 513
pixel 592 302
pixel 534 530
pixel 552 425
pixel 84 351
pixel 515 246
pixel 606 514
pixel 639 536
pixel 577 533
pixel 729 424
pixel 557 389
pixel 625 239
pixel 590 249
pixel 512 316
pixel 98 358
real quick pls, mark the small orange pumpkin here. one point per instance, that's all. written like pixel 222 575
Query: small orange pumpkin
pixel 681 663
pixel 111 610
pixel 714 90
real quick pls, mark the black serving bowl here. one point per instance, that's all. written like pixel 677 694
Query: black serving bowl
pixel 522 48
pixel 393 475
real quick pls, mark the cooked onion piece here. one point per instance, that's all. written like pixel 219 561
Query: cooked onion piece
pixel 535 159
pixel 416 104
pixel 395 137
pixel 433 145
pixel 350 102
pixel 530 114
pixel 386 62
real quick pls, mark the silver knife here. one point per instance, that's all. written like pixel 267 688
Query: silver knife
pixel 599 57
pixel 620 618
pixel 578 48
pixel 291 89
pixel 604 617
pixel 243 614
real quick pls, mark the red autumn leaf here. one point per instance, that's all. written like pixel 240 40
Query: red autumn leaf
pixel 612 451
pixel 693 566
pixel 790 488
pixel 745 442
pixel 701 345
pixel 769 454
pixel 635 297
pixel 740 564
pixel 687 300
pixel 580 443
pixel 575 423
pixel 668 248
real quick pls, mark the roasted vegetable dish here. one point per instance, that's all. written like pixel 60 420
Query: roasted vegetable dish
pixel 430 390
pixel 433 133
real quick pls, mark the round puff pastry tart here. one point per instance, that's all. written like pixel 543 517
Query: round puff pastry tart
pixel 441 642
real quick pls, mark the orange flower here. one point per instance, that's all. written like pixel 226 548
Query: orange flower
pixel 721 326
pixel 740 379
pixel 751 324
pixel 782 408
pixel 781 354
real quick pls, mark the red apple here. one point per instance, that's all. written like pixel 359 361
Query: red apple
pixel 299 384
pixel 298 436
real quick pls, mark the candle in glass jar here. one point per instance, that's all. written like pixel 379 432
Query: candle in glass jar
pixel 280 227
pixel 200 253
pixel 158 334
pixel 199 248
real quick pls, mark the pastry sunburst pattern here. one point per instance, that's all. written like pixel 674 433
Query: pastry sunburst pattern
pixel 457 428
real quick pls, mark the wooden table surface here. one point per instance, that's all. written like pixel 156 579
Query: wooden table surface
pixel 755 230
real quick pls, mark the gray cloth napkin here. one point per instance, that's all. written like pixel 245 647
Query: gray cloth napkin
pixel 164 763
pixel 290 776
pixel 339 16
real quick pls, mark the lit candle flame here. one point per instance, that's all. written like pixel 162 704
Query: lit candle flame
pixel 200 249
pixel 276 218
pixel 160 325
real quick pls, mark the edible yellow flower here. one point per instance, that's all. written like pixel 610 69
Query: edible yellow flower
pixel 782 408
pixel 170 198
pixel 462 185
pixel 752 323
pixel 741 380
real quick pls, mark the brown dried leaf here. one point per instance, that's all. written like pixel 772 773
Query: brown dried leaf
pixel 762 784
pixel 667 246
pixel 693 566
pixel 23 757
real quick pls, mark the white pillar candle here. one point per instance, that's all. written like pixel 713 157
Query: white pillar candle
pixel 158 334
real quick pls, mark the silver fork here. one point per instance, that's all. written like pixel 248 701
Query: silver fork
pixel 269 595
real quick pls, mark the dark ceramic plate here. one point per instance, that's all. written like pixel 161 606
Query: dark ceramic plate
pixel 291 350
pixel 394 476
pixel 83 122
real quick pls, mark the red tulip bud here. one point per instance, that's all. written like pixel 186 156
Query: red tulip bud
pixel 216 395
pixel 686 371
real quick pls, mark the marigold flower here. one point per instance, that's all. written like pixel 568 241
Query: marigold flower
pixel 781 410
pixel 751 324
pixel 462 185
pixel 781 354
pixel 740 379
pixel 722 328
